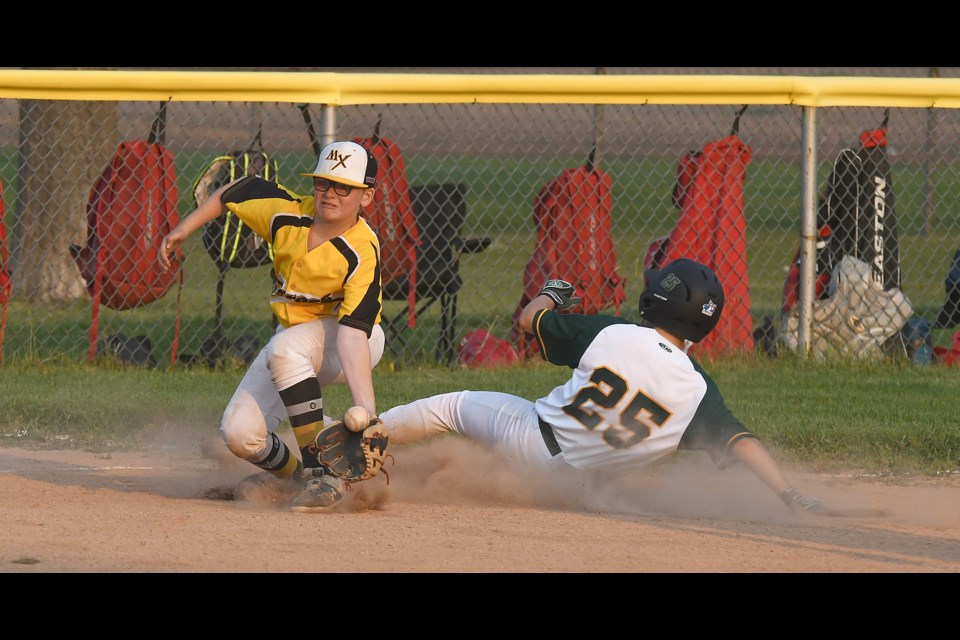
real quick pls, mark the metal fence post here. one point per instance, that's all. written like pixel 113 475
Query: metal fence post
pixel 808 228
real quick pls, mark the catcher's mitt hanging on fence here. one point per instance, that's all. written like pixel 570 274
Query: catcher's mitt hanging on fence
pixel 353 455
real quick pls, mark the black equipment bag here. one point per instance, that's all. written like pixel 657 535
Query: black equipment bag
pixel 229 242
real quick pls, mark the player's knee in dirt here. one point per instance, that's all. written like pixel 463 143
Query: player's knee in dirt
pixel 243 434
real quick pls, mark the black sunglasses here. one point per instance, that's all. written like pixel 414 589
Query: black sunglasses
pixel 323 185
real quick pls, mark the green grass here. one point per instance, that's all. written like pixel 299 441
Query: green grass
pixel 886 419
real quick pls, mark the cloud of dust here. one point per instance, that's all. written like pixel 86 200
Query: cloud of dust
pixel 899 500
pixel 229 470
pixel 455 470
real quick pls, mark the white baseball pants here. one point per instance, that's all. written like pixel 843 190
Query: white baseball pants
pixel 506 422
pixel 292 355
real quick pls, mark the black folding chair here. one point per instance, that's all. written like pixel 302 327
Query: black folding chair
pixel 440 210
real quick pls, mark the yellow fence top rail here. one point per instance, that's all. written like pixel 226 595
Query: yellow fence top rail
pixel 405 88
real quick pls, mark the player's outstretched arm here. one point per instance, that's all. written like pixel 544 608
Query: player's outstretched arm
pixel 354 352
pixel 755 457
pixel 210 209
pixel 526 316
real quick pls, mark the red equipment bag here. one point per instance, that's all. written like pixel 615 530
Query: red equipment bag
pixel 712 230
pixel 131 208
pixel 574 243
pixel 391 216
pixel 481 349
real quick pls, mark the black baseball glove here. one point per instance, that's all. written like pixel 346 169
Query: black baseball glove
pixel 561 292
pixel 353 456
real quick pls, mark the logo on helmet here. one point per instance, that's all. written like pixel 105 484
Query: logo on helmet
pixel 709 308
pixel 670 282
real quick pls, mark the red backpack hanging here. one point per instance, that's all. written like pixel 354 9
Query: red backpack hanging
pixel 712 230
pixel 391 216
pixel 131 208
pixel 574 243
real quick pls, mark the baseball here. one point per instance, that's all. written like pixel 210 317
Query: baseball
pixel 356 419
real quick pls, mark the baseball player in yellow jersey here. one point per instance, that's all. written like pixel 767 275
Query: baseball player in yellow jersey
pixel 634 394
pixel 327 298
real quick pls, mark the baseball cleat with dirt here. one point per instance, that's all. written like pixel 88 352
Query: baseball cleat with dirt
pixel 265 486
pixel 320 491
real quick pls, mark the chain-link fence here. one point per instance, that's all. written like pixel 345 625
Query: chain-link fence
pixel 499 156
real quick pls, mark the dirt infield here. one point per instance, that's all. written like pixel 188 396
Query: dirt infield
pixel 450 506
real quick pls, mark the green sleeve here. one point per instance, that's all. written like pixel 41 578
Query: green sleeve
pixel 714 428
pixel 564 337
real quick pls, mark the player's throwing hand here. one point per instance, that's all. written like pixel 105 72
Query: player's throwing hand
pixel 170 244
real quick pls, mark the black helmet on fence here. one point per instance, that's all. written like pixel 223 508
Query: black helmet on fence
pixel 684 297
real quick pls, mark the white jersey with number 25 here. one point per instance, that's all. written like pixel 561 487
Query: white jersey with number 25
pixel 633 396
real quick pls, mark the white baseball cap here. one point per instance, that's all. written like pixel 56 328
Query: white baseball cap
pixel 348 163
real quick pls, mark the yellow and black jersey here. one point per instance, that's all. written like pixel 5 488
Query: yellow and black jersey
pixel 339 278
